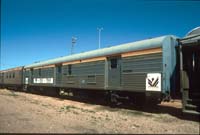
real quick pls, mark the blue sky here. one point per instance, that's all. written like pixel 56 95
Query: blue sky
pixel 37 30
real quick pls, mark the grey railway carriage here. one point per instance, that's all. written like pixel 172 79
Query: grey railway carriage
pixel 11 78
pixel 144 68
pixel 148 71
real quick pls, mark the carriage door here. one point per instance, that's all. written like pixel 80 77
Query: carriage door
pixel 114 69
pixel 58 74
pixel 190 74
pixel 31 76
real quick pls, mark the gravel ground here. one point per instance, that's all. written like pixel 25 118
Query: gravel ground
pixel 30 113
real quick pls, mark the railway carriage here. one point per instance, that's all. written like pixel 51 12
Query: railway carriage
pixel 12 78
pixel 144 68
pixel 146 71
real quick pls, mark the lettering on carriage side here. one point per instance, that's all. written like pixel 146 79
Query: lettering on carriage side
pixel 153 82
pixel 34 80
pixel 38 80
pixel 49 80
pixel 42 80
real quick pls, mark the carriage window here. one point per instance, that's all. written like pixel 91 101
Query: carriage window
pixel 69 69
pixel 114 63
pixel 31 72
pixel 59 69
pixel 13 75
pixel 39 72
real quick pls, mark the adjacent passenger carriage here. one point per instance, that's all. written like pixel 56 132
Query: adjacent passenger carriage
pixel 133 70
pixel 12 78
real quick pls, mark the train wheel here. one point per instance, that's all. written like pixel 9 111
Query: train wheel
pixel 25 88
pixel 114 99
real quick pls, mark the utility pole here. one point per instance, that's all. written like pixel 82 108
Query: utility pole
pixel 73 43
pixel 99 29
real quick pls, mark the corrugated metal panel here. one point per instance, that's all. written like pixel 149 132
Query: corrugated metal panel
pixel 83 81
pixel 135 69
pixel 45 73
pixel 139 45
pixel 133 81
pixel 86 68
pixel 143 63
pixel 84 75
pixel 92 81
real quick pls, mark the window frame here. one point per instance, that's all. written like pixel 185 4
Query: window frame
pixel 113 63
pixel 70 69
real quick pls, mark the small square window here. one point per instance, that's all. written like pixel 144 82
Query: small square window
pixel 69 69
pixel 59 69
pixel 114 63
